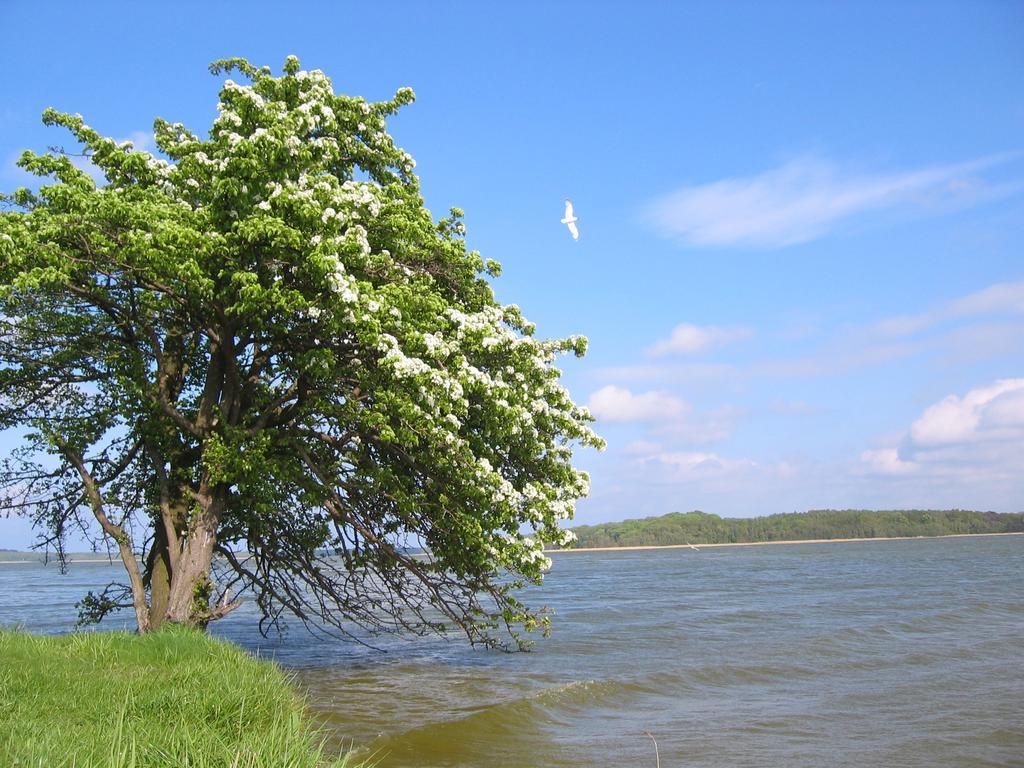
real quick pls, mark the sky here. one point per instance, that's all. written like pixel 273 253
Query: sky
pixel 801 262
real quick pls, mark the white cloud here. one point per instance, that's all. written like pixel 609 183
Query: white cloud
pixel 887 461
pixel 687 339
pixel 613 403
pixel 974 438
pixel 805 199
pixel 984 413
pixel 1005 412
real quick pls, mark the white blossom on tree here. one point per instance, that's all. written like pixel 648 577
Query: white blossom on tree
pixel 259 346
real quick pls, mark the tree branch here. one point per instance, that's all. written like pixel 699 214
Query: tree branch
pixel 115 532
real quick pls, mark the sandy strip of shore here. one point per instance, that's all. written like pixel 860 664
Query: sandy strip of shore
pixel 765 543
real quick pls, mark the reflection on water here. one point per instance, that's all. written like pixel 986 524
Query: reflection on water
pixel 902 653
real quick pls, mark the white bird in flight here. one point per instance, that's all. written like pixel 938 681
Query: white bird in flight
pixel 570 221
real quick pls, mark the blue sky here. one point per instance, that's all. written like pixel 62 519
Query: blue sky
pixel 801 266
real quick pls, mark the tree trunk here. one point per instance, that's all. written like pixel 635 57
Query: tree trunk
pixel 191 589
pixel 159 571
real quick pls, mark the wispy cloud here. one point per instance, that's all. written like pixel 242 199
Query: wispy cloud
pixel 806 199
pixel 705 468
pixel 982 325
pixel 683 465
pixel 842 355
pixel 677 373
pixel 687 339
pixel 998 299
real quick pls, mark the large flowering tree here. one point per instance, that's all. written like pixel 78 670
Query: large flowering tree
pixel 262 348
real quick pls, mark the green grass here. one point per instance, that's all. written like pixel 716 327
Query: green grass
pixel 176 698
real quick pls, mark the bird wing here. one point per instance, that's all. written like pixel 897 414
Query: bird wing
pixel 573 230
pixel 568 209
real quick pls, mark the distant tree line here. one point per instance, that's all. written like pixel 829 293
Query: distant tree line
pixel 702 528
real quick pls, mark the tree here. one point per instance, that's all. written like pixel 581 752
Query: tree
pixel 261 346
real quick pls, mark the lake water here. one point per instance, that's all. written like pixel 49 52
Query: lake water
pixel 888 653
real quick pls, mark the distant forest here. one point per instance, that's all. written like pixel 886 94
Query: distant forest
pixel 702 528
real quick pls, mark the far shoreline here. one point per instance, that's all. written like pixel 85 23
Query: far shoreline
pixel 643 547
pixel 636 548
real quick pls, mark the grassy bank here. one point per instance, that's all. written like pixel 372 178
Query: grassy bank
pixel 175 699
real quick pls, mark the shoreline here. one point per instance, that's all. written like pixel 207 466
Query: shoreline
pixel 643 547
pixel 770 543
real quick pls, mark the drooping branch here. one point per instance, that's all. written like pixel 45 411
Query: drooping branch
pixel 114 531
pixel 455 610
